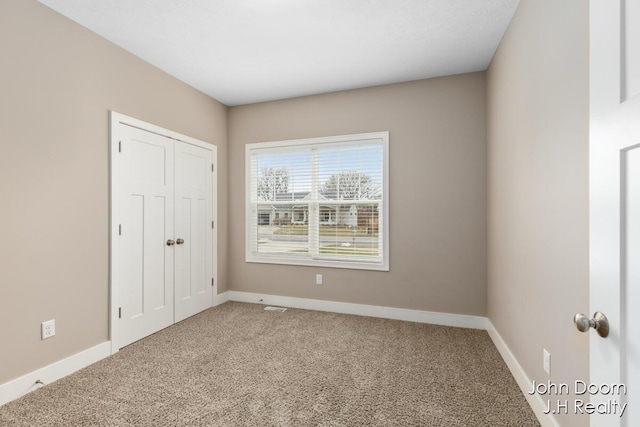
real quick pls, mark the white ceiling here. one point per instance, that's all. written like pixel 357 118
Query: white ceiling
pixel 246 51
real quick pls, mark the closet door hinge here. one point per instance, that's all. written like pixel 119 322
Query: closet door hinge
pixel 119 312
pixel 213 224
pixel 119 229
pixel 212 168
pixel 213 281
pixel 119 146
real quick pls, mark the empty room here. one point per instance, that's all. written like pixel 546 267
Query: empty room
pixel 319 213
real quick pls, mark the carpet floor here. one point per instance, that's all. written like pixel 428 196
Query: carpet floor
pixel 239 365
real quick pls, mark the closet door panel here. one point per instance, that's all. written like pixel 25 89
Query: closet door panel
pixel 194 216
pixel 147 207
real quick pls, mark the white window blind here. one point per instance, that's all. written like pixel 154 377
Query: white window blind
pixel 320 201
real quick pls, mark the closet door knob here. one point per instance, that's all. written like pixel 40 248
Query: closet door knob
pixel 179 241
pixel 170 242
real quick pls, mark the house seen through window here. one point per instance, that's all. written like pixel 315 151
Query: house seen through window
pixel 320 201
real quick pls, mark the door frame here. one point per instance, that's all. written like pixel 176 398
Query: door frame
pixel 117 120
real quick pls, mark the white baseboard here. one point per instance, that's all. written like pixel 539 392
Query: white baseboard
pixel 445 319
pixel 220 298
pixel 27 383
pixel 535 401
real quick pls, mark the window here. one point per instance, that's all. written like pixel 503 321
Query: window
pixel 319 201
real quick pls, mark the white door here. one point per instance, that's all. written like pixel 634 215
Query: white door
pixel 146 224
pixel 194 230
pixel 163 240
pixel 614 169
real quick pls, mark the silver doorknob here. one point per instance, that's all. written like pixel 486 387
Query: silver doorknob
pixel 170 242
pixel 599 323
pixel 179 241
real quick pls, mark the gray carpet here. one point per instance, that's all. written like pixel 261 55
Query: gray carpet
pixel 238 365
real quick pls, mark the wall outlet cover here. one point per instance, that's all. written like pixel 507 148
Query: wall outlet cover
pixel 48 329
pixel 546 361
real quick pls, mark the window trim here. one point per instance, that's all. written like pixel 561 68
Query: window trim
pixel 250 148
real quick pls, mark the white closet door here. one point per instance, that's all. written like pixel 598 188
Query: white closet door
pixel 194 215
pixel 147 219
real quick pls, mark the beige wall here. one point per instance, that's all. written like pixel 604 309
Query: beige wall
pixel 437 193
pixel 537 132
pixel 58 82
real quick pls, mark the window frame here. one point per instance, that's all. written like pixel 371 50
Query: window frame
pixel 251 212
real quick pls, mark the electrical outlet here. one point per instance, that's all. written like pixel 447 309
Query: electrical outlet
pixel 546 361
pixel 318 279
pixel 48 329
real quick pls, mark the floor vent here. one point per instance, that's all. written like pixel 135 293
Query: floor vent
pixel 278 309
